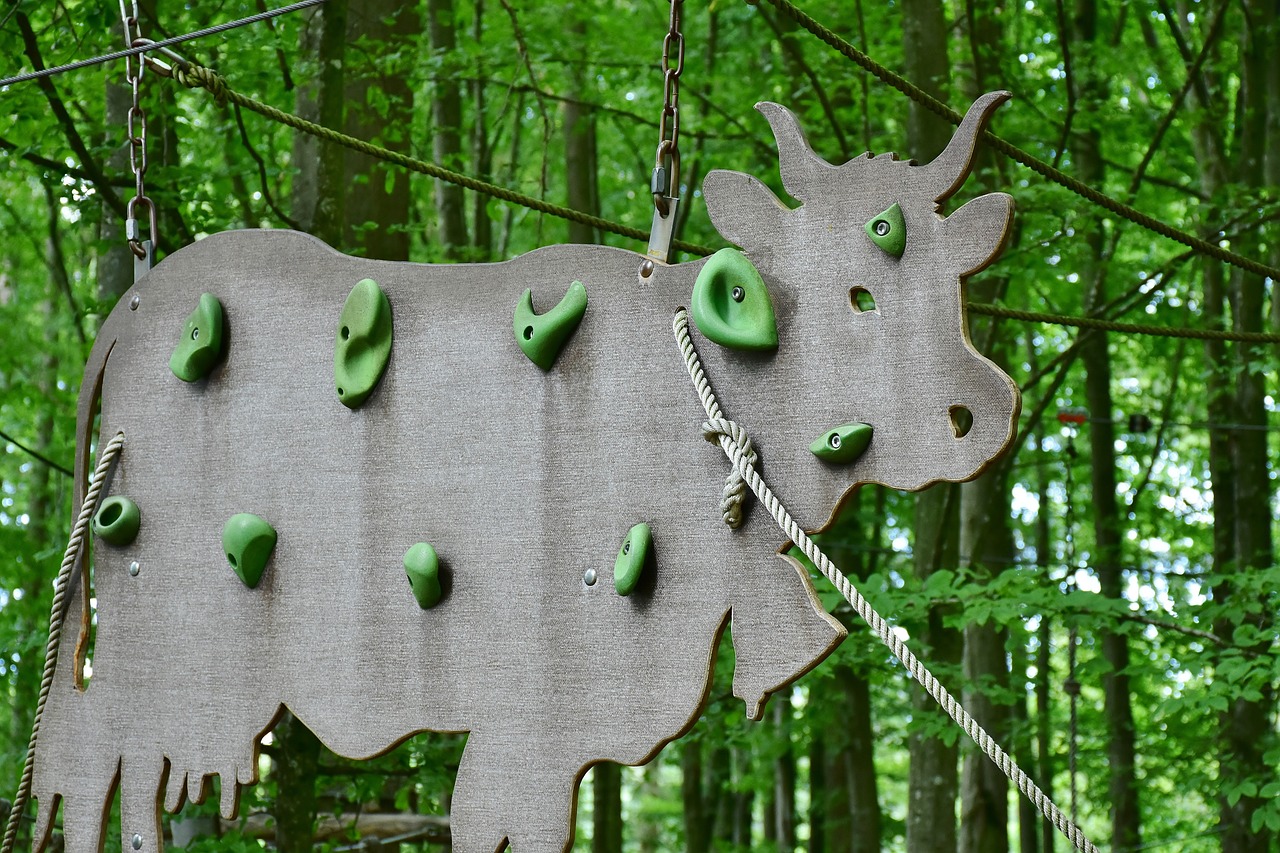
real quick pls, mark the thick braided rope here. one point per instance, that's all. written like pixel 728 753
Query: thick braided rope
pixel 718 428
pixel 56 616
pixel 198 77
pixel 1016 154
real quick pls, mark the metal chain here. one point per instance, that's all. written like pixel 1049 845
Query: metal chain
pixel 666 166
pixel 136 126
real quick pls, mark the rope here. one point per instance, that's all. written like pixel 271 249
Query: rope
pixel 718 429
pixel 198 77
pixel 56 615
pixel 1016 154
pixel 1128 328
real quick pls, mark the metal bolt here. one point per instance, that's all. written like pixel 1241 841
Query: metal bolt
pixel 626 547
pixel 195 334
pixel 739 294
pixel 882 227
pixel 589 577
pixel 646 268
pixel 137 842
pixel 135 302
pixel 834 441
pixel 134 569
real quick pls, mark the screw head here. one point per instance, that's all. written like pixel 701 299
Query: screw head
pixel 135 302
pixel 137 842
pixel 646 268
pixel 739 294
pixel 834 441
pixel 134 568
pixel 589 577
pixel 882 227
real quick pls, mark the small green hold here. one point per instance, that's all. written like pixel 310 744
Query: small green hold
pixel 201 344
pixel 542 336
pixel 843 444
pixel 248 541
pixel 117 521
pixel 631 558
pixel 889 231
pixel 731 304
pixel 363 345
pixel 422 565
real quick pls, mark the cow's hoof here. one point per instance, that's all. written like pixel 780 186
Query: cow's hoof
pixel 842 445
pixel 363 346
pixel 248 541
pixel 731 304
pixel 542 336
pixel 422 565
pixel 117 521
pixel 632 557
pixel 201 344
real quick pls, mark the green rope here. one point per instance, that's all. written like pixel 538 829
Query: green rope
pixel 199 77
pixel 1128 328
pixel 1015 153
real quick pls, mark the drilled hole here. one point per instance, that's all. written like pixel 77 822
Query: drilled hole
pixel 346 333
pixel 341 392
pixel 231 558
pixel 109 514
pixel 528 333
pixel 961 420
pixel 861 300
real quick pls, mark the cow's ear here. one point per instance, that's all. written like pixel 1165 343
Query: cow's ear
pixel 744 211
pixel 978 231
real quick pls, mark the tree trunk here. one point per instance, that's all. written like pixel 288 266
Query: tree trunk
pixel 784 774
pixel 297 764
pixel 697 824
pixel 115 261
pixel 481 152
pixel 319 190
pixel 446 116
pixel 606 814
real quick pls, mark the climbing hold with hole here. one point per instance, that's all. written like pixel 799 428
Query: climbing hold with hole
pixel 422 565
pixel 542 336
pixel 248 541
pixel 363 345
pixel 889 231
pixel 731 303
pixel 200 347
pixel 117 521
pixel 843 444
pixel 632 556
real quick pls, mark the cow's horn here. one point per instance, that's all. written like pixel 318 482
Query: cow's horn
pixel 801 168
pixel 949 169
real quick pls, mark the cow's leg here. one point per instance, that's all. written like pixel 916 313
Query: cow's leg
pixel 142 784
pixel 85 812
pixel 500 797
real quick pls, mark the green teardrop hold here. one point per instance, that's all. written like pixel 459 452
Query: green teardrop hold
pixel 542 336
pixel 632 556
pixel 117 521
pixel 248 541
pixel 889 231
pixel 843 444
pixel 363 345
pixel 200 347
pixel 422 565
pixel 731 304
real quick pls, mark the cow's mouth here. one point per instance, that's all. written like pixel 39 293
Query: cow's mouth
pixel 843 444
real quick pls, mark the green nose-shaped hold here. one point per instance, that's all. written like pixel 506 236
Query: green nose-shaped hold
pixel 200 346
pixel 631 559
pixel 117 521
pixel 422 565
pixel 542 336
pixel 731 304
pixel 363 346
pixel 248 541
pixel 843 444
pixel 889 231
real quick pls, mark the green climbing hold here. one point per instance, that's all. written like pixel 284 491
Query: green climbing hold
pixel 200 347
pixel 843 444
pixel 542 336
pixel 889 231
pixel 248 541
pixel 422 565
pixel 117 521
pixel 731 304
pixel 631 558
pixel 364 343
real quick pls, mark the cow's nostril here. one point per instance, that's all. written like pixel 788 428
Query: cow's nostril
pixel 861 300
pixel 961 420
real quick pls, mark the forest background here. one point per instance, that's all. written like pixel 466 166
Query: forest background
pixel 1132 535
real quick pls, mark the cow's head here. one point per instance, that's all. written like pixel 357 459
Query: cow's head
pixel 867 278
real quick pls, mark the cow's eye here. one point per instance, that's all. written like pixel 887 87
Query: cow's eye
pixel 888 231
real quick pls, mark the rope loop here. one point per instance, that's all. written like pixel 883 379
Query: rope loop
pixel 735 488
pixel 198 77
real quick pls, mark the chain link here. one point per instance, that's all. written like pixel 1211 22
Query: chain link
pixel 136 129
pixel 666 167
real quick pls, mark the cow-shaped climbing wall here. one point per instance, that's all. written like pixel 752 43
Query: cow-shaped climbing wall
pixel 394 498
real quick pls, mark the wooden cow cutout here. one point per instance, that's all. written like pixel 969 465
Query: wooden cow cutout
pixel 521 480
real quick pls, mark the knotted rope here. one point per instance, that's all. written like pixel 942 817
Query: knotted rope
pixel 731 438
pixel 57 614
